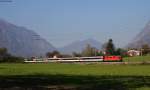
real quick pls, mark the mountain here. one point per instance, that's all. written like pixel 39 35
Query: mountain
pixel 78 46
pixel 142 38
pixel 22 42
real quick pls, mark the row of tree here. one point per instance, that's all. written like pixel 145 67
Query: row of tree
pixel 108 48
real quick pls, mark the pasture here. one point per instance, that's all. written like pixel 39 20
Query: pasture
pixel 137 59
pixel 60 76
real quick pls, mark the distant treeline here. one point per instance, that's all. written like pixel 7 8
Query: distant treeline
pixel 6 57
pixel 89 51
pixel 108 49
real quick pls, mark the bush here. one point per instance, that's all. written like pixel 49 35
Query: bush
pixel 12 59
pixel 6 57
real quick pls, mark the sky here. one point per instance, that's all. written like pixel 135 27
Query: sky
pixel 64 21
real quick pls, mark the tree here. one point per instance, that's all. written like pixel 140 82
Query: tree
pixel 3 51
pixel 110 48
pixel 121 52
pixel 104 46
pixel 52 54
pixel 89 51
pixel 56 53
pixel 75 54
pixel 145 49
pixel 100 53
pixel 49 54
pixel 6 57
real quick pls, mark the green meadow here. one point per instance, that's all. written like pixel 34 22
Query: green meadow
pixel 61 76
pixel 145 58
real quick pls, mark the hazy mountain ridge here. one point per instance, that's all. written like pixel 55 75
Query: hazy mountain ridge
pixel 78 46
pixel 22 42
pixel 142 38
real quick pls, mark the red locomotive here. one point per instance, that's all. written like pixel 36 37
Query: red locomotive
pixel 112 58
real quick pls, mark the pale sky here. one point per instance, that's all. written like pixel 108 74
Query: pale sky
pixel 63 21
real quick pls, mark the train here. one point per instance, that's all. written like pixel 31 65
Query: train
pixel 79 59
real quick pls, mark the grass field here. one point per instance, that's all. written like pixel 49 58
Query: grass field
pixel 137 59
pixel 58 76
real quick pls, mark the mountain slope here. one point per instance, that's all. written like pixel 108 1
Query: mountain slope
pixel 142 38
pixel 22 42
pixel 78 46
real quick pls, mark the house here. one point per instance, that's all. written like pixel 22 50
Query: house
pixel 133 52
